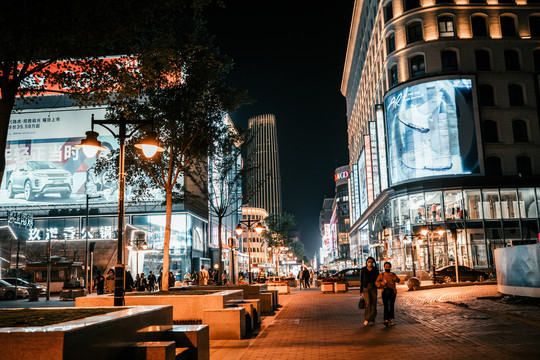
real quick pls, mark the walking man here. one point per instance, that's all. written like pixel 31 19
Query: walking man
pixel 151 281
pixel 203 276
pixel 368 289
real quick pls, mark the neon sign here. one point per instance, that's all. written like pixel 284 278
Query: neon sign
pixel 341 175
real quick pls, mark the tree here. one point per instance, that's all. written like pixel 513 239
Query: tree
pixel 297 248
pixel 277 231
pixel 59 47
pixel 226 189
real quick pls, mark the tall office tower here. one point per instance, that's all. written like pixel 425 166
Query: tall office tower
pixel 263 155
pixel 442 107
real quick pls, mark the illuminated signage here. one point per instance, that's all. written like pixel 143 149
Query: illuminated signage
pixel 381 142
pixel 341 175
pixel 362 177
pixel 369 169
pixel 374 158
pixel 431 130
pixel 327 236
pixel 71 233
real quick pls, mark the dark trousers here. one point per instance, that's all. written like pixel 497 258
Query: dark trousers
pixel 306 283
pixel 370 295
pixel 388 298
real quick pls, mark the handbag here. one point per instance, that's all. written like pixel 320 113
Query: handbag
pixel 362 302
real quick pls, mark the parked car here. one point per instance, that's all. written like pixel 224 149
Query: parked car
pixel 36 178
pixel 26 284
pixel 420 274
pixel 8 291
pixel 447 274
pixel 351 275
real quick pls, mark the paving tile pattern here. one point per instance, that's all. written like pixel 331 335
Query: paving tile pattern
pixel 312 325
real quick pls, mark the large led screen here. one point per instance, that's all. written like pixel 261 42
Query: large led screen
pixel 431 130
pixel 44 167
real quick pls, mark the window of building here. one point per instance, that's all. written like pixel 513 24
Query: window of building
pixel 508 26
pixel 536 59
pixel 534 26
pixel 388 12
pixel 490 131
pixel 483 61
pixel 509 204
pixel 418 66
pixel 449 60
pixel 485 95
pixel 519 130
pixel 391 43
pixel 523 164
pixel 414 32
pixel 479 26
pixel 393 75
pixel 526 197
pixel 444 1
pixel 411 4
pixel 446 26
pixel 493 166
pixel 472 208
pixel 515 95
pixel 511 60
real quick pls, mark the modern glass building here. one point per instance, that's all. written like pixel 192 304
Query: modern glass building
pixel 443 128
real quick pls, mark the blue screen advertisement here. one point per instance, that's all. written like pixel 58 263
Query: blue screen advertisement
pixel 431 130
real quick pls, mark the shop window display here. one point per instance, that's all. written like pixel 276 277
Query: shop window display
pixel 527 204
pixel 491 204
pixel 509 204
pixel 434 206
pixel 453 201
pixel 472 205
pixel 418 210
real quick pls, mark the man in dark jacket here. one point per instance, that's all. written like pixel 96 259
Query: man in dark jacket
pixel 99 283
pixel 151 281
pixel 368 289
pixel 305 278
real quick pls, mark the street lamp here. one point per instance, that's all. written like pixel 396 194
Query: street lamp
pixel 249 224
pixel 137 244
pixel 91 146
pixel 426 232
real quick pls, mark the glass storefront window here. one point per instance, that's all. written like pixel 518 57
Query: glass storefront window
pixel 512 232
pixel 453 201
pixel 527 203
pixel 434 205
pixel 418 210
pixel 477 244
pixel 538 200
pixel 403 210
pixel 509 204
pixel 530 230
pixel 491 204
pixel 472 205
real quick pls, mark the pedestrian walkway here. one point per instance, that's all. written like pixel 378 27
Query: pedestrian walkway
pixel 312 325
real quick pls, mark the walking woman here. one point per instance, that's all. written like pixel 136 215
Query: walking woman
pixel 368 289
pixel 387 282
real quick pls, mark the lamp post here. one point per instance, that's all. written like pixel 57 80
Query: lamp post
pixel 249 224
pixel 426 232
pixel 91 146
pixel 137 244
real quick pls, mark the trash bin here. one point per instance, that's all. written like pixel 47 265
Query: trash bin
pixel 413 284
pixel 33 294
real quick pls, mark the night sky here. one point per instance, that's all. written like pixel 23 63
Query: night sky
pixel 289 55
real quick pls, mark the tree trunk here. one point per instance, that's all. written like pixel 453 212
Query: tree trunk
pixel 167 240
pixel 220 252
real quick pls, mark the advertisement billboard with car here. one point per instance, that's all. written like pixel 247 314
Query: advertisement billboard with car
pixel 432 130
pixel 43 165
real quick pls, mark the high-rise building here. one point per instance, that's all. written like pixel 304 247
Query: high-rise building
pixel 263 156
pixel 443 129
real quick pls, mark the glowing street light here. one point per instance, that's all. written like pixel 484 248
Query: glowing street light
pixel 249 224
pixel 91 146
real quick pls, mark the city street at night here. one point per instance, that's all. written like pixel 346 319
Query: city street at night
pixel 430 324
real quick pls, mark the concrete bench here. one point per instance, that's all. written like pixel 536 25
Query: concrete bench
pixel 226 324
pixel 250 325
pixel 256 303
pixel 281 288
pixel 194 337
pixel 275 295
pixel 266 300
pixel 154 350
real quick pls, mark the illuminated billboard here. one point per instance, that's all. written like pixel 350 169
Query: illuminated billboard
pixel 43 165
pixel 431 130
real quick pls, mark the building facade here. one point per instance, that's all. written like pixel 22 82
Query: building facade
pixel 340 220
pixel 263 157
pixel 443 129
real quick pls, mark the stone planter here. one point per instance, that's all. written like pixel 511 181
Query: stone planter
pixel 340 287
pixel 327 287
pixel 281 288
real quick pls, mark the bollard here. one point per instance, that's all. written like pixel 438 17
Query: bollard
pixel 413 284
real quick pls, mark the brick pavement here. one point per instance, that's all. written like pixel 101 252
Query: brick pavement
pixel 312 325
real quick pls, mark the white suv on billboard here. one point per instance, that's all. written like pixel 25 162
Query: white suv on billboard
pixel 36 178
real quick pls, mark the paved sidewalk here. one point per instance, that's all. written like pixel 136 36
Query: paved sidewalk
pixel 312 325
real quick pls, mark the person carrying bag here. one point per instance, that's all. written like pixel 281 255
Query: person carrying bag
pixel 387 281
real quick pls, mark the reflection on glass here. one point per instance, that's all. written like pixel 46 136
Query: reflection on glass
pixel 509 204
pixel 491 204
pixel 403 208
pixel 418 211
pixel 453 201
pixel 434 206
pixel 478 247
pixel 527 204
pixel 512 233
pixel 472 208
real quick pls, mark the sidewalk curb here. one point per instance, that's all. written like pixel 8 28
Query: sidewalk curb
pixel 460 284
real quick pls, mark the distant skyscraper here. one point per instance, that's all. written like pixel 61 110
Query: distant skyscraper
pixel 263 154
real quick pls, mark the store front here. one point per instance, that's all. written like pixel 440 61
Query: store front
pixel 464 225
